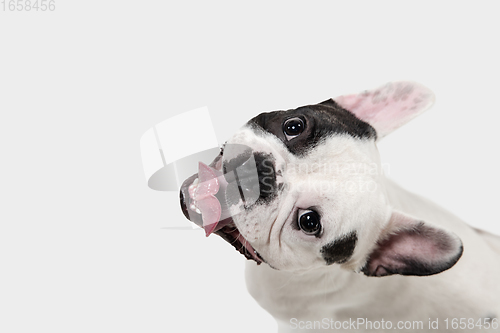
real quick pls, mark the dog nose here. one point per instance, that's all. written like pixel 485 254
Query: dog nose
pixel 251 175
pixel 267 174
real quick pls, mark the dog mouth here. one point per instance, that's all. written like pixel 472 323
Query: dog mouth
pixel 203 199
pixel 232 235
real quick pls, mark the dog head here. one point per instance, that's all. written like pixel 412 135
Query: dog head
pixel 303 188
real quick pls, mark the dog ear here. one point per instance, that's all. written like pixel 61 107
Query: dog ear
pixel 412 247
pixel 388 107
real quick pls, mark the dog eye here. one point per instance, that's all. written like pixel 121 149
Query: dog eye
pixel 293 127
pixel 309 222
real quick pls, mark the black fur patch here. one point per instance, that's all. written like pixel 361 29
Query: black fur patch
pixel 340 250
pixel 321 120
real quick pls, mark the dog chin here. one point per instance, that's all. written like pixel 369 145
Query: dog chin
pixel 225 227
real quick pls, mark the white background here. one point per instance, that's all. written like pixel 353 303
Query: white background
pixel 83 244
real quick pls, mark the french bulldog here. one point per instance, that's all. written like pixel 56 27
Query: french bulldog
pixel 332 243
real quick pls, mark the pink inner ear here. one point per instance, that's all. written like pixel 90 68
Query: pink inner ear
pixel 413 248
pixel 418 245
pixel 390 106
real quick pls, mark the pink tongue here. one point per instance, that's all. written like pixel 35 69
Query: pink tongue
pixel 206 202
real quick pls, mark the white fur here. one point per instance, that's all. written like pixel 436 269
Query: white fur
pixel 468 290
pixel 302 289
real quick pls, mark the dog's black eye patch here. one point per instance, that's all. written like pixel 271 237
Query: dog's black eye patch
pixel 318 121
pixel 340 250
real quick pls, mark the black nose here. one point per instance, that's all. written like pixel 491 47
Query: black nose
pixel 266 169
pixel 253 173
